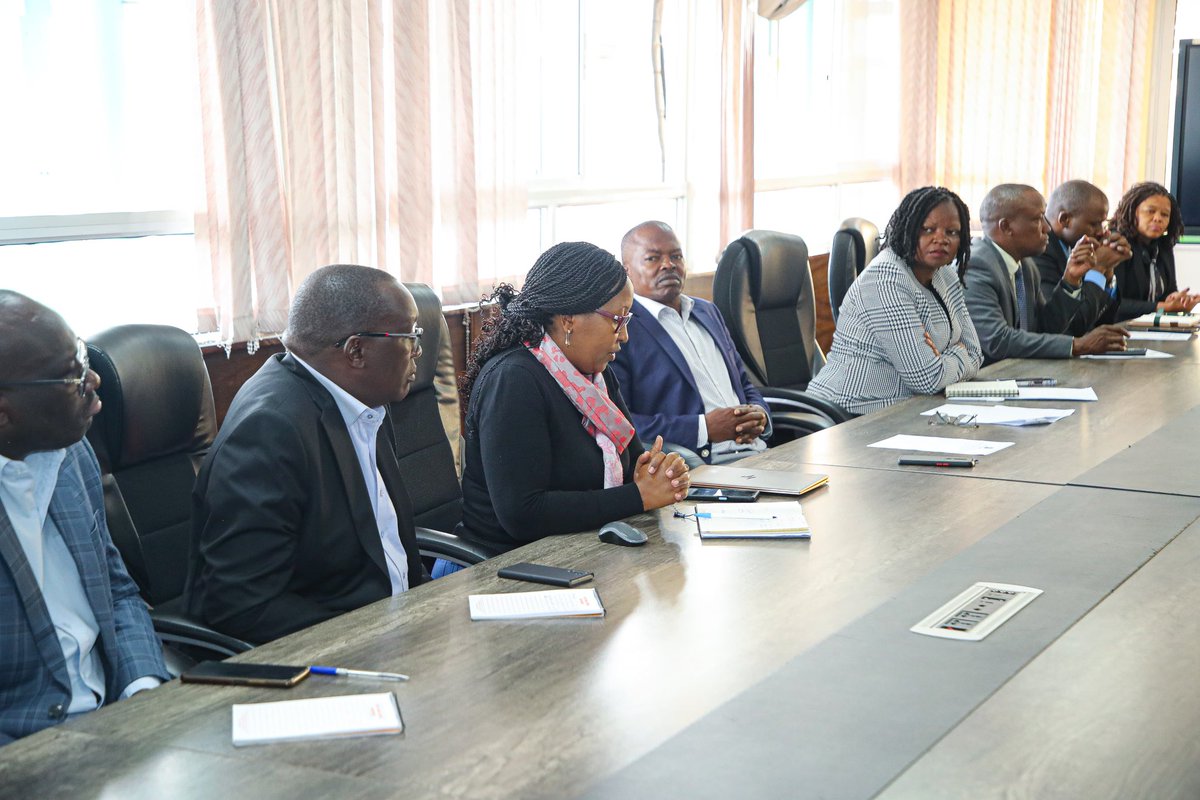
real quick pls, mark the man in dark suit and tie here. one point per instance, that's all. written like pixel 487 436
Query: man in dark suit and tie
pixel 1075 212
pixel 1012 316
pixel 680 374
pixel 74 634
pixel 299 512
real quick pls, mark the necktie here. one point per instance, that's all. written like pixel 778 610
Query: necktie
pixel 1022 309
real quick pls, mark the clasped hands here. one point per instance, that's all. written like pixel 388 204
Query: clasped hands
pixel 1101 254
pixel 743 424
pixel 662 478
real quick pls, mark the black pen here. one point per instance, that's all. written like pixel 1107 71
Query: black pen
pixel 936 461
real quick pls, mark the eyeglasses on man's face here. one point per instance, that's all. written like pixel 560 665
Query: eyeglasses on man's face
pixel 620 320
pixel 415 337
pixel 80 383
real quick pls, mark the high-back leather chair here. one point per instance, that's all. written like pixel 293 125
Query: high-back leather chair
pixel 764 291
pixel 854 245
pixel 426 459
pixel 156 424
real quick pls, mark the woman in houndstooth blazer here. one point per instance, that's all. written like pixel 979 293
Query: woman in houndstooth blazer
pixel 903 328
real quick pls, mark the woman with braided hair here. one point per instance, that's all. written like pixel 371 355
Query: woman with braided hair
pixel 903 328
pixel 549 445
pixel 1149 218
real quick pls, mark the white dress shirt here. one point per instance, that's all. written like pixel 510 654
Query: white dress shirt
pixel 363 424
pixel 707 364
pixel 26 488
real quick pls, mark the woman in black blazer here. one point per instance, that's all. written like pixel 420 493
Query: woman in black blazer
pixel 549 445
pixel 1149 218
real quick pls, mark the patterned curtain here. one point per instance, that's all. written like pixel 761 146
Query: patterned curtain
pixel 1027 91
pixel 333 132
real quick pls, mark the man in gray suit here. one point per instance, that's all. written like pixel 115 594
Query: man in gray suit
pixel 74 634
pixel 1012 316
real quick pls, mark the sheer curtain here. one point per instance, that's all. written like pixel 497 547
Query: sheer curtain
pixel 1026 91
pixel 737 117
pixel 333 133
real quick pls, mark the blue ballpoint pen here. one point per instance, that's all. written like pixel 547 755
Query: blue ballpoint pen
pixel 357 673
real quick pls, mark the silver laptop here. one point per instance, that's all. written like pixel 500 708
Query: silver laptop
pixel 774 481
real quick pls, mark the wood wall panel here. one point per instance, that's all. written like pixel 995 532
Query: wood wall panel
pixel 229 373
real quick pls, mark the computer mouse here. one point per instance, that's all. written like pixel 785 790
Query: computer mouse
pixel 622 533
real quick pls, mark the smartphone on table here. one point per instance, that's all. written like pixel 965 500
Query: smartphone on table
pixel 722 495
pixel 234 674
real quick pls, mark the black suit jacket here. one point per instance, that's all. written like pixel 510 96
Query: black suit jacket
pixel 283 535
pixel 1133 276
pixel 1097 308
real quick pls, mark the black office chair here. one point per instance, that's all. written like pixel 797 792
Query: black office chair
pixel 854 245
pixel 156 424
pixel 426 460
pixel 763 289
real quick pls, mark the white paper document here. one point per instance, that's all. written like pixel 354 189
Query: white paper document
pixel 940 444
pixel 751 520
pixel 535 605
pixel 1015 416
pixel 1118 357
pixel 1158 336
pixel 316 718
pixel 1057 393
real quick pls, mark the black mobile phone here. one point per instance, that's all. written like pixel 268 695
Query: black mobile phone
pixel 235 674
pixel 540 573
pixel 1132 351
pixel 722 495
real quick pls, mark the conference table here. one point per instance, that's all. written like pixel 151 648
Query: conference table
pixel 769 668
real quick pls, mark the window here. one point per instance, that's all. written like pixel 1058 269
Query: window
pixel 595 166
pixel 101 140
pixel 825 116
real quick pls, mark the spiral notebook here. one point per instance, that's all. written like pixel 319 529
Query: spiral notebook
pixel 982 389
pixel 783 520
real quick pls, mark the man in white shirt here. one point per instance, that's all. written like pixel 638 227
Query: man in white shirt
pixel 680 373
pixel 74 634
pixel 299 512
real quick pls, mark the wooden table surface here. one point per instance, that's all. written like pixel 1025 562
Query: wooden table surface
pixel 1136 398
pixel 550 708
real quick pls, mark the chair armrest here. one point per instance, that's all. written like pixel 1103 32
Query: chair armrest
pixel 793 400
pixel 452 548
pixel 177 629
pixel 800 423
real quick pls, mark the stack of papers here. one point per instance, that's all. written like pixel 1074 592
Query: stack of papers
pixel 316 718
pixel 1047 393
pixel 751 521
pixel 1159 336
pixel 537 605
pixel 1015 416
pixel 1118 355
pixel 941 444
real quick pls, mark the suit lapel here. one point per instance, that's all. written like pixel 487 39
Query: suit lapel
pixel 1006 281
pixel 40 624
pixel 663 339
pixel 75 518
pixel 354 484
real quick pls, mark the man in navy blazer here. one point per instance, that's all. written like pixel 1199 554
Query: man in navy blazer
pixel 74 634
pixel 680 373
